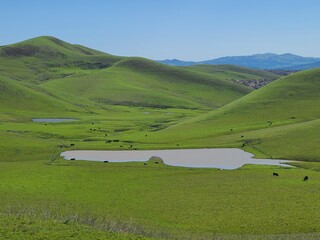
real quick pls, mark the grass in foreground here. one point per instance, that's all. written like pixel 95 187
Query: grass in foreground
pixel 159 199
pixel 26 227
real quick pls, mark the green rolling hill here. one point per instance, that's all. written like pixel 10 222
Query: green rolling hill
pixel 232 72
pixel 44 58
pixel 294 97
pixel 141 82
pixel 21 98
pixel 91 76
pixel 283 118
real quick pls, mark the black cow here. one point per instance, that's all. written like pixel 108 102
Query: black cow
pixel 275 174
pixel 105 161
pixel 71 144
pixel 145 164
pixel 72 159
pixel 306 178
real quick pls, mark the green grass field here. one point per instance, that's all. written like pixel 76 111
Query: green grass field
pixel 116 98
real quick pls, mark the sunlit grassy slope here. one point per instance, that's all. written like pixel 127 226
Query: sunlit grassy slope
pixel 77 71
pixel 20 97
pixel 282 118
pixel 39 59
pixel 141 82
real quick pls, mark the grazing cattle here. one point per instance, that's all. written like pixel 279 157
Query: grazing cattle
pixel 306 178
pixel 105 161
pixel 45 124
pixel 71 144
pixel 146 135
pixel 156 162
pixel 90 129
pixel 145 164
pixel 121 146
pixel 72 159
pixel 275 174
pixel 106 134
pixel 242 136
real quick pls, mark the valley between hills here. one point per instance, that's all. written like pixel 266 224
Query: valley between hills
pixel 120 103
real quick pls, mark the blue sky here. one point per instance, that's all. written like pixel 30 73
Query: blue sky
pixel 183 29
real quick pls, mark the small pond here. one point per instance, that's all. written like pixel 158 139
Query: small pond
pixel 223 158
pixel 53 120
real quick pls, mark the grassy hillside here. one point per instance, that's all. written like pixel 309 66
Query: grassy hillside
pixel 294 97
pixel 287 107
pixel 103 78
pixel 232 72
pixel 141 82
pixel 20 97
pixel 41 59
pixel 53 50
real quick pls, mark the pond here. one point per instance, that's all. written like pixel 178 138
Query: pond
pixel 223 158
pixel 53 120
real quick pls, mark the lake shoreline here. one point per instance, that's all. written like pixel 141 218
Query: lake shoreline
pixel 222 158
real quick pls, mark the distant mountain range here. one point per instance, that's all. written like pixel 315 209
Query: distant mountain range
pixel 286 61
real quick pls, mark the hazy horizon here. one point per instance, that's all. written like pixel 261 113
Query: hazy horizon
pixel 186 30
